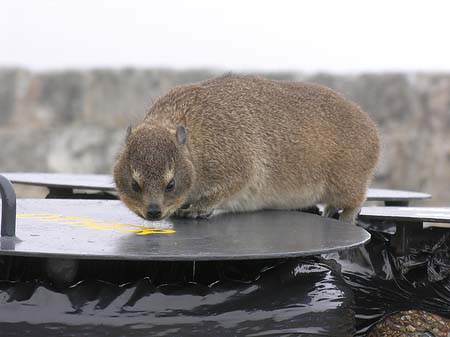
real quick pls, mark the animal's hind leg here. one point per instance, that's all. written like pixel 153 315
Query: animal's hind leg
pixel 330 211
pixel 349 214
pixel 350 200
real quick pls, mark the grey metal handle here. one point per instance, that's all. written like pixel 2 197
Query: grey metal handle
pixel 8 227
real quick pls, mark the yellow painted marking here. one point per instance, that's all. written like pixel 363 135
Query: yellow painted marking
pixel 147 231
pixel 95 224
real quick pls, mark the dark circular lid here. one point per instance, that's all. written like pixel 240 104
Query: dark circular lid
pixel 101 182
pixel 104 182
pixel 423 214
pixel 376 194
pixel 106 229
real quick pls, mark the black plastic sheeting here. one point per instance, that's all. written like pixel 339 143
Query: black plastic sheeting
pixel 384 283
pixel 339 294
pixel 292 297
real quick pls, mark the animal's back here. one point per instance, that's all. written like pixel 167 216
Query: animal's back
pixel 296 144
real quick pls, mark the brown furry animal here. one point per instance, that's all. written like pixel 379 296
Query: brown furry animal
pixel 243 143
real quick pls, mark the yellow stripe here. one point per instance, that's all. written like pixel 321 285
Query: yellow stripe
pixel 95 224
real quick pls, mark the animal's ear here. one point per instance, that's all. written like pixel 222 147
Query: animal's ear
pixel 129 129
pixel 181 135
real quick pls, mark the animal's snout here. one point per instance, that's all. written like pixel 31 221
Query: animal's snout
pixel 154 212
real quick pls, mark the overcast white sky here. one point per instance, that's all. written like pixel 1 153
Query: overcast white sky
pixel 314 35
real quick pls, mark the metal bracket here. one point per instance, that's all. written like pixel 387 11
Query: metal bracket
pixel 8 226
pixel 59 193
pixel 398 203
pixel 405 233
pixel 69 193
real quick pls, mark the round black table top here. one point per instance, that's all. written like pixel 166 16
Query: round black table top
pixel 414 214
pixel 377 194
pixel 106 229
pixel 100 182
pixel 104 182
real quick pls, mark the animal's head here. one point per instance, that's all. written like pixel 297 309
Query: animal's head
pixel 153 173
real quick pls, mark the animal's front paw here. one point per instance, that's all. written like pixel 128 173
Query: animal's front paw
pixel 193 213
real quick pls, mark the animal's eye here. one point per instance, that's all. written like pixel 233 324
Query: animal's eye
pixel 135 186
pixel 170 186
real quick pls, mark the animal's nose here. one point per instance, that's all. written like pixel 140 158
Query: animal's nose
pixel 154 211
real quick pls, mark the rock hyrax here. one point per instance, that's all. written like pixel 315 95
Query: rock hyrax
pixel 243 143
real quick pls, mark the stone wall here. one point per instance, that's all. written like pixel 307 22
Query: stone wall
pixel 74 121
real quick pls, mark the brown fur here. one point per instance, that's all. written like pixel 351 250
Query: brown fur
pixel 251 143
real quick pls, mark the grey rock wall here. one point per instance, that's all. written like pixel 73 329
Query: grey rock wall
pixel 75 121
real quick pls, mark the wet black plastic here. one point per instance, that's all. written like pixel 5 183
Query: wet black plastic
pixel 291 297
pixel 384 282
pixel 286 297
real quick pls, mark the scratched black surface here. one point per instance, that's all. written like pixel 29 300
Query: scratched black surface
pixel 103 182
pixel 376 194
pixel 427 214
pixel 264 234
